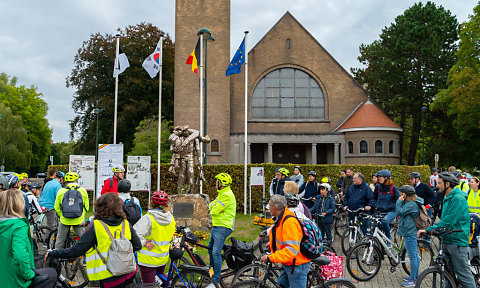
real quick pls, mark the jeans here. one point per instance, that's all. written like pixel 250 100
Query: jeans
pixel 411 246
pixel 217 239
pixel 326 229
pixel 62 234
pixel 386 223
pixel 459 260
pixel 296 279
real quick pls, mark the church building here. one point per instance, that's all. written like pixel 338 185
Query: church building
pixel 303 106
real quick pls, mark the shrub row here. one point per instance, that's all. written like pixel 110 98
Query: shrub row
pixel 168 180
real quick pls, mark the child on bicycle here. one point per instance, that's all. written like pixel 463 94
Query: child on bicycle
pixel 155 230
pixel 407 210
pixel 324 208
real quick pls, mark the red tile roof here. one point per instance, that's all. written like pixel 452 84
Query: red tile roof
pixel 367 115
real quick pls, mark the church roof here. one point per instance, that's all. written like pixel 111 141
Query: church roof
pixel 367 116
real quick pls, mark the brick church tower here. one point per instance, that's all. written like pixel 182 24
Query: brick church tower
pixel 190 17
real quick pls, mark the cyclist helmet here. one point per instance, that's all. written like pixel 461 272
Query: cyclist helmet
pixel 407 189
pixel 278 169
pixel 12 180
pixel 33 185
pixel 414 175
pixel 375 175
pixel 313 173
pixel 24 175
pixel 292 199
pixel 298 167
pixel 449 177
pixel 175 253
pixel 3 182
pixel 60 174
pixel 384 173
pixel 160 198
pixel 325 180
pixel 124 186
pixel 456 173
pixel 284 171
pixel 118 169
pixel 325 185
pixel 224 179
pixel 71 177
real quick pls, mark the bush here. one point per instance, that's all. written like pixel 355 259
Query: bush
pixel 168 180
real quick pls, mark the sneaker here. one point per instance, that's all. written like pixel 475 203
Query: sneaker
pixel 211 285
pixel 407 279
pixel 408 284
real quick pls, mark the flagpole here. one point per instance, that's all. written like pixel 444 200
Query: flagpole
pixel 245 132
pixel 160 58
pixel 201 107
pixel 117 68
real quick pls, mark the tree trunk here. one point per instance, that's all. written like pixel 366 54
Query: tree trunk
pixel 402 125
pixel 416 127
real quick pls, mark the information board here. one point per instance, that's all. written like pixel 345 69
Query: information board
pixel 109 155
pixel 138 172
pixel 84 166
pixel 257 175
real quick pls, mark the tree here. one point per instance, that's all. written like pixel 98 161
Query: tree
pixel 32 109
pixel 14 145
pixel 61 152
pixel 460 102
pixel 408 65
pixel 146 140
pixel 92 77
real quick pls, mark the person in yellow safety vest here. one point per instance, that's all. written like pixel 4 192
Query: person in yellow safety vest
pixel 108 209
pixel 463 185
pixel 155 230
pixel 473 196
pixel 223 210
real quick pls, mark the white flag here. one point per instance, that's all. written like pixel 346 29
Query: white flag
pixel 122 64
pixel 152 63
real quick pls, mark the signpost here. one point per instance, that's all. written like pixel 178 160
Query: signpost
pixel 257 178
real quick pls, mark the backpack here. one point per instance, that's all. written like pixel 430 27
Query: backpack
pixel 72 204
pixel 311 245
pixel 422 221
pixel 120 258
pixel 391 191
pixel 132 210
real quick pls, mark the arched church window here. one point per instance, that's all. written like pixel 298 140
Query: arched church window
pixel 350 147
pixel 390 147
pixel 214 146
pixel 288 94
pixel 378 147
pixel 363 146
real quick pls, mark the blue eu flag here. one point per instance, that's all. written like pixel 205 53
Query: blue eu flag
pixel 235 65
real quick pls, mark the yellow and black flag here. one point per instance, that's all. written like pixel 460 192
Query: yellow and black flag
pixel 194 57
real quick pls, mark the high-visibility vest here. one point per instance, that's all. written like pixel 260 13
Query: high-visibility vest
pixel 161 236
pixel 473 203
pixel 96 269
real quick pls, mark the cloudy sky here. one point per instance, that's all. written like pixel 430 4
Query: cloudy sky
pixel 38 39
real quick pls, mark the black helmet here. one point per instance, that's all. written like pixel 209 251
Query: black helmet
pixel 176 253
pixel 449 177
pixel 33 185
pixel 292 199
pixel 313 173
pixel 407 189
pixel 414 175
pixel 124 186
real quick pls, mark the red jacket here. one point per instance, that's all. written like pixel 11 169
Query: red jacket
pixel 110 185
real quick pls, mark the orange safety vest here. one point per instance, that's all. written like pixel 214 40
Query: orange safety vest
pixel 288 238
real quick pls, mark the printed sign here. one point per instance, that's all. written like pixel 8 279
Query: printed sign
pixel 109 156
pixel 138 172
pixel 257 175
pixel 84 166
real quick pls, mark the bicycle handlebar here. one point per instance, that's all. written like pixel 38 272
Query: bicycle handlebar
pixel 356 211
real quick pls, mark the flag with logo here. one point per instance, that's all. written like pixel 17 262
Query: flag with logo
pixel 152 63
pixel 122 63
pixel 194 57
pixel 238 59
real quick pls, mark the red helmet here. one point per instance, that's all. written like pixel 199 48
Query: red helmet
pixel 160 198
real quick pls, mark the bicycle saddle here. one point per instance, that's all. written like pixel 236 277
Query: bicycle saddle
pixel 321 261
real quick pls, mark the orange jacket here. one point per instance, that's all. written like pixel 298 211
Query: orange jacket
pixel 289 235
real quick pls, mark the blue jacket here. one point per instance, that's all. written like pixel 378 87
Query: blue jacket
pixel 324 205
pixel 49 194
pixel 297 179
pixel 359 196
pixel 308 190
pixel 407 212
pixel 384 202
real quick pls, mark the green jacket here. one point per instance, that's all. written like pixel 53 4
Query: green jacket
pixel 58 204
pixel 407 212
pixel 224 208
pixel 16 253
pixel 455 216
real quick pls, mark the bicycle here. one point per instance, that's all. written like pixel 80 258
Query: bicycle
pixel 354 233
pixel 340 220
pixel 314 278
pixel 440 273
pixel 40 232
pixel 372 250
pixel 63 281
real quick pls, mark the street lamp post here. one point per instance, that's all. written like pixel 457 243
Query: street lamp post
pixel 2 168
pixel 97 112
pixel 424 109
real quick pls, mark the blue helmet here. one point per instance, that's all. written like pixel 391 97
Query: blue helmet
pixel 384 173
pixel 12 180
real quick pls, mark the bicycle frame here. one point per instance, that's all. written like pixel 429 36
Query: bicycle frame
pixel 383 240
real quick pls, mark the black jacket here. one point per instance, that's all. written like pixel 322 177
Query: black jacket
pixel 423 190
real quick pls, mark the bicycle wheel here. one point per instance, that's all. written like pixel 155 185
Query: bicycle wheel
pixel 350 238
pixel 364 261
pixel 338 283
pixel 425 253
pixel 43 233
pixel 397 239
pixel 253 271
pixel 192 279
pixel 431 278
pixel 341 223
pixel 248 284
pixel 51 239
pixel 80 277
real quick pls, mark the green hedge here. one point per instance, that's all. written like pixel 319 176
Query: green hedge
pixel 168 180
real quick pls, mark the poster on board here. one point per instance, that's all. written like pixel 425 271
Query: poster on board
pixel 109 155
pixel 84 166
pixel 138 172
pixel 257 175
